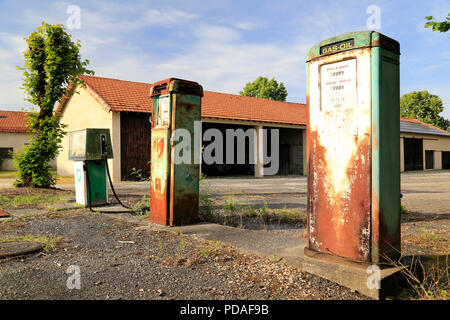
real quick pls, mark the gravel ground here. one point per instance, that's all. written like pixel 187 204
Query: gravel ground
pixel 157 265
pixel 121 257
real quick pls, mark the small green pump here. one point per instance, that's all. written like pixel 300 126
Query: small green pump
pixel 90 149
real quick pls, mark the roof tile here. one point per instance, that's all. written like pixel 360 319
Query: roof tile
pixel 132 96
pixel 13 121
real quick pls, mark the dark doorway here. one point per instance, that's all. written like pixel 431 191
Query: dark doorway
pixel 291 152
pixel 229 169
pixel 284 159
pixel 413 153
pixel 445 159
pixel 429 161
pixel 135 134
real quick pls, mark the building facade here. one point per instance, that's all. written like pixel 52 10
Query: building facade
pixel 125 108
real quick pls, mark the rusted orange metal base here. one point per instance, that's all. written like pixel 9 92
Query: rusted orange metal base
pixel 158 219
pixel 331 258
pixel 3 214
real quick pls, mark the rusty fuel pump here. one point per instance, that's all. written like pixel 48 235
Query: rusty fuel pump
pixel 353 98
pixel 175 171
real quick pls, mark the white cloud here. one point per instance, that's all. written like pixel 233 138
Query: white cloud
pixel 11 55
pixel 215 34
pixel 246 25
pixel 168 17
pixel 227 65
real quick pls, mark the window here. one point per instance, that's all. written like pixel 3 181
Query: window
pixel 6 153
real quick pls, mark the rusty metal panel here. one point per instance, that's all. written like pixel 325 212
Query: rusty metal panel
pixel 185 176
pixel 159 184
pixel 339 153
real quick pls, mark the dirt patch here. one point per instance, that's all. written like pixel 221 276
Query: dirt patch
pixel 33 198
pixel 13 192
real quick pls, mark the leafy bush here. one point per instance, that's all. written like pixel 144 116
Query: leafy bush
pixel 52 63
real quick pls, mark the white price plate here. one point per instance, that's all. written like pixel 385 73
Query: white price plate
pixel 164 110
pixel 338 85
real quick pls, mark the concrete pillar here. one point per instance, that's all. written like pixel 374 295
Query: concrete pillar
pixel 437 161
pixel 259 151
pixel 424 158
pixel 304 142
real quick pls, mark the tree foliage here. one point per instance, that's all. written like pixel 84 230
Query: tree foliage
pixel 442 26
pixel 52 61
pixel 423 106
pixel 264 88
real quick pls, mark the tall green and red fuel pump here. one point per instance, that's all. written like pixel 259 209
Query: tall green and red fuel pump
pixel 175 173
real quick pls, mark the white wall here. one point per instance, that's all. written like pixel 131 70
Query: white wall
pixel 84 111
pixel 12 140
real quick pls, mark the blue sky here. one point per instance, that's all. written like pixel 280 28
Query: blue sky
pixel 224 44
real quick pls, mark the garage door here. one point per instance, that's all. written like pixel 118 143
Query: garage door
pixel 445 159
pixel 135 135
pixel 413 154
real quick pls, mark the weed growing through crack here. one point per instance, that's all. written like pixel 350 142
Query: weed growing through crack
pixel 141 208
pixel 181 244
pixel 403 209
pixel 205 252
pixel 206 202
pixel 161 245
pixel 231 206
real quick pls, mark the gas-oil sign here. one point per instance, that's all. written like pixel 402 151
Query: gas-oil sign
pixel 336 47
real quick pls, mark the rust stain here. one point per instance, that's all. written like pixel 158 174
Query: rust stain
pixel 158 205
pixel 159 147
pixel 158 184
pixel 340 222
pixel 389 243
pixel 375 245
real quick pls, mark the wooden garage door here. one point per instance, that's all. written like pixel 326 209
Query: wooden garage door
pixel 135 133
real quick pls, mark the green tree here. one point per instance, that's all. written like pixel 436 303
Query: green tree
pixel 442 26
pixel 52 61
pixel 264 88
pixel 423 106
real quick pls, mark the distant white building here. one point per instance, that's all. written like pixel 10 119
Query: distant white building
pixel 13 136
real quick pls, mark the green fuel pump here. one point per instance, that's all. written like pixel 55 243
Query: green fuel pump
pixel 90 150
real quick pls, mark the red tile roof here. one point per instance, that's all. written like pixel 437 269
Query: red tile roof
pixel 13 121
pixel 120 95
pixel 231 106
